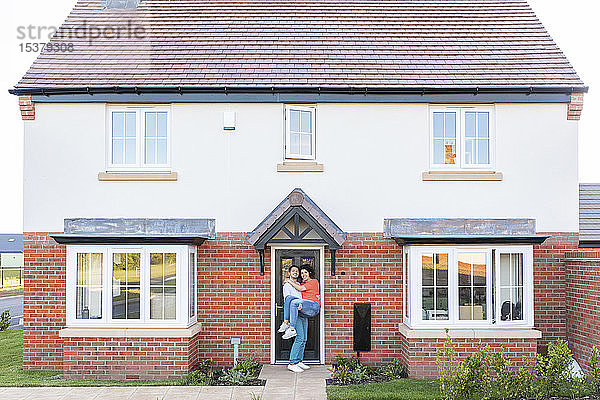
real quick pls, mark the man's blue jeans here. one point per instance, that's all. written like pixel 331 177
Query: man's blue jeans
pixel 309 309
pixel 297 351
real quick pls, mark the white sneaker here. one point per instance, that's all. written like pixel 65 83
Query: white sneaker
pixel 283 327
pixel 303 366
pixel 289 333
pixel 295 368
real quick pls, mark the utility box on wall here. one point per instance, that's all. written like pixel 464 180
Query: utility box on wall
pixel 362 327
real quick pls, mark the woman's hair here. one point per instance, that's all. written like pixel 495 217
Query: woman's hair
pixel 309 269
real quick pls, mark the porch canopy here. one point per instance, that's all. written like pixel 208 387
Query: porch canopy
pixel 407 231
pixel 297 220
pixel 136 231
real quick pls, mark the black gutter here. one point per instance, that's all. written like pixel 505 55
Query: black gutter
pixel 295 90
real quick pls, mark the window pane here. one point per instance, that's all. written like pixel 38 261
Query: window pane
pixel 450 152
pixel 511 287
pixel 428 271
pixel 156 269
pixel 472 286
pixel 89 286
pixel 163 280
pixel 295 143
pixel 483 124
pixel 150 151
pixel 471 124
pixel 118 151
pixel 438 125
pixel 483 151
pixel 118 125
pixel 192 287
pixel 470 151
pixel 434 282
pixel 150 124
pixel 161 124
pixel 306 145
pixel 126 286
pixel 130 123
pixel 450 125
pixel 161 151
pixel 130 151
pixel 439 152
pixel 306 121
pixel 156 303
pixel 295 120
pixel 441 270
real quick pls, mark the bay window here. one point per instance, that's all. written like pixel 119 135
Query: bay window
pixel 111 285
pixel 462 137
pixel 469 286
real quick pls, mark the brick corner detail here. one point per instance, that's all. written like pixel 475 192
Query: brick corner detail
pixel 575 107
pixel 27 108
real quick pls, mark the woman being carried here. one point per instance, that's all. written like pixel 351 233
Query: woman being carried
pixel 289 293
pixel 309 305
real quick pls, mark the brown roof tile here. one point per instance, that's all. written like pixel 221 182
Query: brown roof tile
pixel 389 43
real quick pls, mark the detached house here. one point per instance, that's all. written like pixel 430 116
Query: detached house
pixel 181 155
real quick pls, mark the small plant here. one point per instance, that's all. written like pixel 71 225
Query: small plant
pixel 341 374
pixel 446 358
pixel 553 370
pixel 595 371
pixel 198 378
pixel 394 370
pixel 255 396
pixel 4 320
pixel 361 373
pixel 235 377
pixel 248 365
pixel 351 362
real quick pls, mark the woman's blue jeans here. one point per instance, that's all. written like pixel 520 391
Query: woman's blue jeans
pixel 297 350
pixel 286 307
pixel 309 309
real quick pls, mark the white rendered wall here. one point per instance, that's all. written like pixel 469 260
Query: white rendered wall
pixel 373 155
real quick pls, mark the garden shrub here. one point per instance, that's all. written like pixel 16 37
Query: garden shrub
pixel 341 374
pixel 198 378
pixel 554 369
pixel 4 320
pixel 249 365
pixel 235 376
pixel 394 370
pixel 595 371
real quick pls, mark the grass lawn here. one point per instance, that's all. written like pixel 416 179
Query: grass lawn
pixel 12 374
pixel 403 389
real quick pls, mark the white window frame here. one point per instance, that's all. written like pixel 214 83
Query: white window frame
pixel 461 137
pixel 182 319
pixel 287 140
pixel 193 297
pixel 140 141
pixel 415 320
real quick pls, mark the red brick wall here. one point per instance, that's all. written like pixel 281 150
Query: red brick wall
pixel 368 270
pixel 549 285
pixel 583 304
pixel 43 301
pixel 233 299
pixel 129 358
pixel 420 354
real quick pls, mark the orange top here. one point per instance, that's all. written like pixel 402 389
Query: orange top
pixel 312 290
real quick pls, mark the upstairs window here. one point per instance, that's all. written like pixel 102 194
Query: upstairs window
pixel 300 133
pixel 138 138
pixel 462 137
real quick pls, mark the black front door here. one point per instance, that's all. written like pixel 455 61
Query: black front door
pixel 284 259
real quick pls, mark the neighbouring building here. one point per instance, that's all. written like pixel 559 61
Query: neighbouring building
pixel 11 261
pixel 181 155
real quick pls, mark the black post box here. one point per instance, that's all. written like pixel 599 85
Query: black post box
pixel 362 327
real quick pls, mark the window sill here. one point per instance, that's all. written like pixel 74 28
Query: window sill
pixel 137 176
pixel 432 176
pixel 475 333
pixel 299 166
pixel 131 332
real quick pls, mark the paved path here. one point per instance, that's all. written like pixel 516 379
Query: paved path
pixel 15 305
pixel 281 384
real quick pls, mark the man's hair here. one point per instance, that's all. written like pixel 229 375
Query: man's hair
pixel 293 266
pixel 311 271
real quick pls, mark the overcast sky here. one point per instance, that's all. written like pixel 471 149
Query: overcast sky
pixel 572 24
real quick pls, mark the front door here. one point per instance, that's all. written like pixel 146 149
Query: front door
pixel 284 259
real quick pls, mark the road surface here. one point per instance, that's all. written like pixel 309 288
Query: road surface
pixel 15 305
